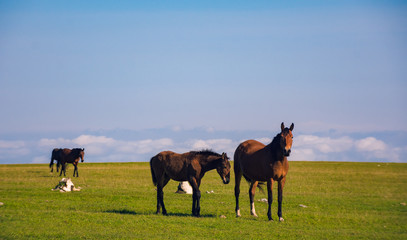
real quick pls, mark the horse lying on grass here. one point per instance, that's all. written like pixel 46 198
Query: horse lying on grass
pixel 66 185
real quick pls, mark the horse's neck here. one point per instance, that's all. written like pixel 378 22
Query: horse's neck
pixel 275 150
pixel 209 163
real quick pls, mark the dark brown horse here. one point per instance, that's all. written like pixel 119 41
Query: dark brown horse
pixel 191 167
pixel 259 163
pixel 71 156
pixel 55 156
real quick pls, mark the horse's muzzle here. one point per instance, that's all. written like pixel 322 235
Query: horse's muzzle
pixel 287 152
pixel 226 180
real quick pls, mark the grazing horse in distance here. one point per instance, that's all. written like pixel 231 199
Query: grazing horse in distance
pixel 55 156
pixel 71 156
pixel 191 167
pixel 259 163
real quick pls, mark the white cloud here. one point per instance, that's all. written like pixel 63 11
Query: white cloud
pixel 219 145
pixel 323 144
pixel 104 148
pixel 12 149
pixel 370 144
pixel 264 140
pixel 89 140
pixel 374 148
pixel 40 159
pixel 53 143
pixel 11 144
pixel 304 154
pixel 149 145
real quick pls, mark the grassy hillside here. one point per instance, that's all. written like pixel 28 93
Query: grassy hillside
pixel 118 200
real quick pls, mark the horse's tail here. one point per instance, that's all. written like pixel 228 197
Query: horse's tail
pixel 259 184
pixel 51 164
pixel 152 170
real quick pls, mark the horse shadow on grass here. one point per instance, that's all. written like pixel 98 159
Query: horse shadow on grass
pixel 130 212
pixel 122 211
pixel 190 215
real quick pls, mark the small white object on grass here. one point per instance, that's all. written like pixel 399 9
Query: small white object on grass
pixel 184 187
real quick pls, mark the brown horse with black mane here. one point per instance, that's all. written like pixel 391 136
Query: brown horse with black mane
pixel 259 163
pixel 71 156
pixel 191 167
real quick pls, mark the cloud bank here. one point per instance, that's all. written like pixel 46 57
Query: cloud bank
pixel 314 148
pixel 100 148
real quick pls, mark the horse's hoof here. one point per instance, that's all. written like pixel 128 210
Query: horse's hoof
pixel 254 214
pixel 271 219
pixel 281 219
pixel 238 213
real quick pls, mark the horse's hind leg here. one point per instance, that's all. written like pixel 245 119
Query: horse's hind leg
pixel 238 178
pixel 252 191
pixel 160 195
pixel 62 169
pixel 269 197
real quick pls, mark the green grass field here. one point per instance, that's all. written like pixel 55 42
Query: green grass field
pixel 118 201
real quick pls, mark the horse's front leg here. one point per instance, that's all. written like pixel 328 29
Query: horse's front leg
pixel 75 170
pixel 269 197
pixel 196 196
pixel 238 177
pixel 196 204
pixel 280 198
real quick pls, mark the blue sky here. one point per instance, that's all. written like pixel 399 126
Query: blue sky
pixel 334 68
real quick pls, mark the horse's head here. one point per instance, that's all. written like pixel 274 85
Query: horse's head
pixel 223 168
pixel 286 139
pixel 82 154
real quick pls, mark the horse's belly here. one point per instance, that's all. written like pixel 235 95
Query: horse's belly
pixel 177 174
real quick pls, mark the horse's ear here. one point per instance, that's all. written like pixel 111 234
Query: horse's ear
pixel 223 155
pixel 292 127
pixel 282 126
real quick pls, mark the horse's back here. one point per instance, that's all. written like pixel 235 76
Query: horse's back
pixel 251 159
pixel 171 163
pixel 66 151
pixel 251 146
pixel 247 148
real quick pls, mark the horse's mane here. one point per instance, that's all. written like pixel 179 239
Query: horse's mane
pixel 77 151
pixel 276 139
pixel 275 144
pixel 206 152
